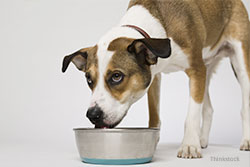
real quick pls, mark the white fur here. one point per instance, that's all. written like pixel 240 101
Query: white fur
pixel 211 59
pixel 240 69
pixel 191 140
pixel 207 111
pixel 137 15
pixel 207 115
pixel 212 56
pixel 178 61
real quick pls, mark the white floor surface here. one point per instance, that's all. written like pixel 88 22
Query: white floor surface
pixel 27 155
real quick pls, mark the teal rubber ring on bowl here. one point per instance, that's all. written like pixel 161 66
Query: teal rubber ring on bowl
pixel 117 161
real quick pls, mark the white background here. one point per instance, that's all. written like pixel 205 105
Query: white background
pixel 39 106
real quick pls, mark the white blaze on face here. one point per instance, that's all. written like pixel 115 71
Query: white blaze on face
pixel 113 110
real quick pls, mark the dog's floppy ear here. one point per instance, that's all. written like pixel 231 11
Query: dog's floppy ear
pixel 79 58
pixel 152 48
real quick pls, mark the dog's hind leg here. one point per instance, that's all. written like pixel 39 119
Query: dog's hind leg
pixel 154 102
pixel 238 31
pixel 207 111
pixel 240 62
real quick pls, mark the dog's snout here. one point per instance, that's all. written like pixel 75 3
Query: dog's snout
pixel 95 114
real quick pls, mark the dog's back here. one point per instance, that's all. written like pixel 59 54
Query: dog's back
pixel 207 17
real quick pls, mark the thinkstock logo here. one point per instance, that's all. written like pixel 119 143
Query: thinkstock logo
pixel 227 159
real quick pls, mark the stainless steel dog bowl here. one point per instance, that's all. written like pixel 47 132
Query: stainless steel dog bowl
pixel 120 146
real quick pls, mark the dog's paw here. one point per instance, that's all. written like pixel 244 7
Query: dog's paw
pixel 204 143
pixel 188 151
pixel 245 145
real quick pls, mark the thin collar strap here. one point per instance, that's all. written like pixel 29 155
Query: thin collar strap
pixel 141 31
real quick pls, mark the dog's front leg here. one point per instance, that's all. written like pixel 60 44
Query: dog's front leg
pixel 154 102
pixel 191 147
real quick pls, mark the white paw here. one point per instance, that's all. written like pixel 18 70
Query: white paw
pixel 204 143
pixel 245 145
pixel 189 151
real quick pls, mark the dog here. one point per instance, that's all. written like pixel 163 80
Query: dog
pixel 163 36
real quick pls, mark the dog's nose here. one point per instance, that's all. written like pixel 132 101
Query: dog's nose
pixel 95 114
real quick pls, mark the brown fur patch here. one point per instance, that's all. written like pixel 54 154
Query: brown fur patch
pixel 197 83
pixel 246 52
pixel 154 102
pixel 239 28
pixel 183 19
pixel 120 44
pixel 92 57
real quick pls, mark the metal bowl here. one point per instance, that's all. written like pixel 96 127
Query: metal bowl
pixel 121 146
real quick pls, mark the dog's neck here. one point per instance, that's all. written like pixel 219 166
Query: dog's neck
pixel 141 17
pixel 141 31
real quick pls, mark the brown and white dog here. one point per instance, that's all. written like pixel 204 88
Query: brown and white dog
pixel 163 36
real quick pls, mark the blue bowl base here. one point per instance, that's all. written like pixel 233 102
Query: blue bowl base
pixel 117 161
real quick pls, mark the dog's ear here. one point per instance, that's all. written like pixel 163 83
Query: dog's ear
pixel 151 48
pixel 78 58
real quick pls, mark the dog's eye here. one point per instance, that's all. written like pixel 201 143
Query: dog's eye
pixel 117 78
pixel 89 80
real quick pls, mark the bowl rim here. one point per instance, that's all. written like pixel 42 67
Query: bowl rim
pixel 117 130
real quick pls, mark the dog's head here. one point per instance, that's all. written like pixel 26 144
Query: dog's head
pixel 118 73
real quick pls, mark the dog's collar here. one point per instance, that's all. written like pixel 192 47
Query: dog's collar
pixel 141 31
